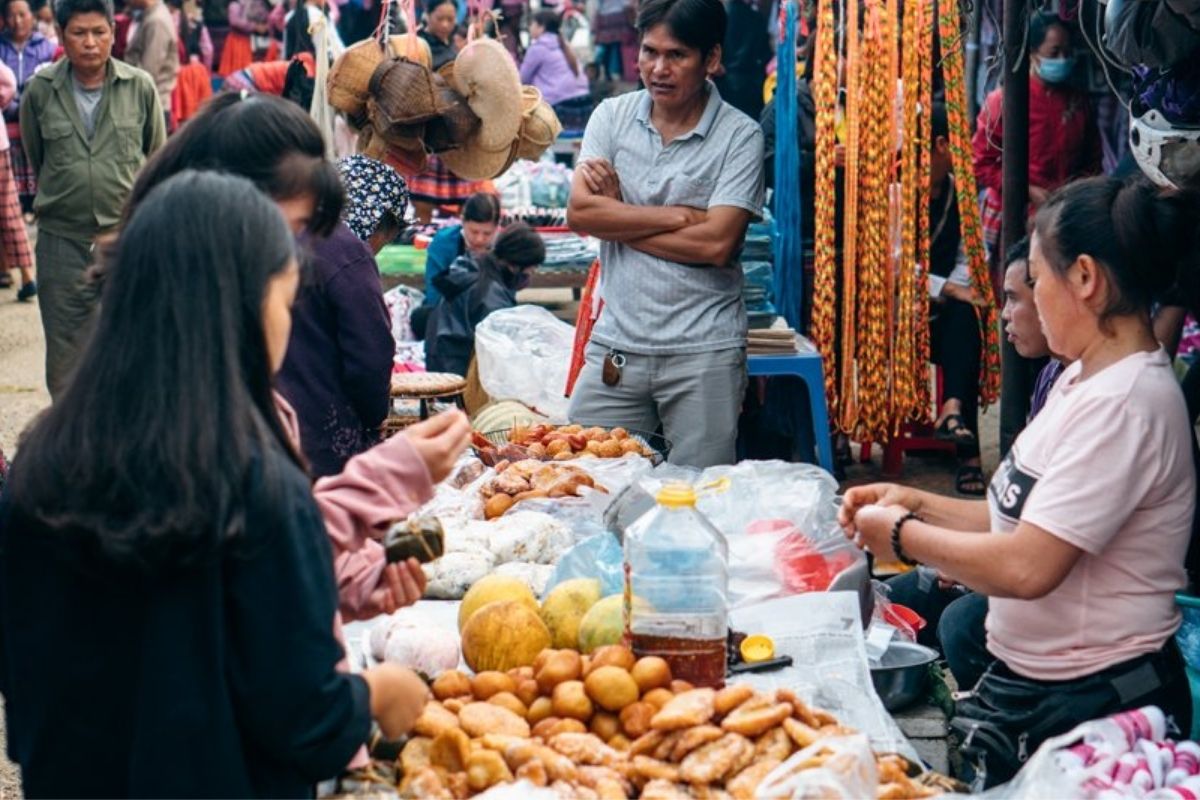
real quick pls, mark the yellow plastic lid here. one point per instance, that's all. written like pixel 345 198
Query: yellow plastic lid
pixel 757 648
pixel 677 495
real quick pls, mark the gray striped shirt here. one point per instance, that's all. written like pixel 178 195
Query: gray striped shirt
pixel 658 307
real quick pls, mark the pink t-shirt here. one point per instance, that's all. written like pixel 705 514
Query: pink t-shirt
pixel 1107 467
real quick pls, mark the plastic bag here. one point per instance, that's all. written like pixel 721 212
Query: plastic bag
pixel 523 354
pixel 599 557
pixel 781 523
pixel 847 771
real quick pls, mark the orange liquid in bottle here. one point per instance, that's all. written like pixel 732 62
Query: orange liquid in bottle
pixel 700 662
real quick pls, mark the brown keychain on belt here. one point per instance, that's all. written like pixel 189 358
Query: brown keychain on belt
pixel 614 362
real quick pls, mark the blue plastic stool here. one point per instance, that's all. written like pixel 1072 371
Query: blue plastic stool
pixel 1188 638
pixel 808 368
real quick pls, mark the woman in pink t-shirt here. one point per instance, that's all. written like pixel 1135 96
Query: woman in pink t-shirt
pixel 1080 545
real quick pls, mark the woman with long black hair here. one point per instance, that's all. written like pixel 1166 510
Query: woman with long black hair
pixel 166 589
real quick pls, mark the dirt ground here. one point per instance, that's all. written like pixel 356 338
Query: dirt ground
pixel 23 394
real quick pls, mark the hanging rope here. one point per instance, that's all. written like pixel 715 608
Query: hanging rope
pixel 964 179
pixel 789 249
pixel 848 413
pixel 824 310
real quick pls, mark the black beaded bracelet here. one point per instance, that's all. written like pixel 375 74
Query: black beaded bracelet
pixel 896 548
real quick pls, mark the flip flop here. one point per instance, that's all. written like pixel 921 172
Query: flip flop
pixel 969 481
pixel 956 432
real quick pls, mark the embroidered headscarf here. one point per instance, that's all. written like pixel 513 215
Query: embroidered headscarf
pixel 373 190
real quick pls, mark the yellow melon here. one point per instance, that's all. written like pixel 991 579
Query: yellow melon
pixel 564 608
pixel 503 635
pixel 490 589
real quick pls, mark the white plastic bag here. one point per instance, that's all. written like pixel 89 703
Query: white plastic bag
pixel 846 772
pixel 524 354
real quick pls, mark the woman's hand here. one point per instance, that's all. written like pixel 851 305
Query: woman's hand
pixel 439 441
pixel 398 697
pixel 400 585
pixel 878 494
pixel 872 531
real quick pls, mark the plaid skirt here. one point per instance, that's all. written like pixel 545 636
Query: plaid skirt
pixel 13 241
pixel 438 185
pixel 613 29
pixel 22 171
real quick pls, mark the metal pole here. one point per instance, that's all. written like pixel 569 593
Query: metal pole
pixel 1016 383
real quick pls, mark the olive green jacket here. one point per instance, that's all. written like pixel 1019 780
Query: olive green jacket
pixel 82 184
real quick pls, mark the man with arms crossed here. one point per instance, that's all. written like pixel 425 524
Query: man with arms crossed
pixel 669 178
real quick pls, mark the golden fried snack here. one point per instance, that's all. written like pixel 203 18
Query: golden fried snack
pixel 710 793
pixel 728 755
pixel 803 735
pixel 824 718
pixel 498 741
pixel 667 746
pixel 620 743
pixel 567 791
pixel 744 785
pixel 451 683
pixel 450 750
pixel 607 789
pixel 424 783
pixel 510 701
pixel 651 769
pixel 694 738
pixel 433 720
pixel 558 767
pixel 415 755
pixel 775 744
pixel 635 719
pixel 585 748
pixel 480 718
pixel 731 697
pixel 686 710
pixel 456 782
pixel 645 745
pixel 535 772
pixel 903 790
pixel 486 768
pixel 665 790
pixel 755 722
pixel 456 704
pixel 602 779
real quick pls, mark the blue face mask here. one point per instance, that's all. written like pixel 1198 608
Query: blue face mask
pixel 1055 70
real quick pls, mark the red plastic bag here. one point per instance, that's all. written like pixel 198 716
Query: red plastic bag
pixel 802 564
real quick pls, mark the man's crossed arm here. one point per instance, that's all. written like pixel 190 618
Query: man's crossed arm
pixel 675 233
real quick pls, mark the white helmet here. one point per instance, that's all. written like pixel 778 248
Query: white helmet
pixel 1168 154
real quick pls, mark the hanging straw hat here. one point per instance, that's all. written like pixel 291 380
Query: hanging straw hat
pixel 350 77
pixel 539 125
pixel 484 73
pixel 456 126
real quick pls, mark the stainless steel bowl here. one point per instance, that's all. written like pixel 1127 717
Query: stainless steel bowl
pixel 902 677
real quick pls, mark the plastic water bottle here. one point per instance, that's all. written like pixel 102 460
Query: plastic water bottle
pixel 676 588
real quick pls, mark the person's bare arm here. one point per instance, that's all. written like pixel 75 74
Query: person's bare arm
pixel 596 208
pixel 713 241
pixel 945 512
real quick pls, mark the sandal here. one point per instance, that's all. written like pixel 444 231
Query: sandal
pixel 969 481
pixel 953 429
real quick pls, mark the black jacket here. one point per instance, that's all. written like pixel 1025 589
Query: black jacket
pixel 218 680
pixel 470 291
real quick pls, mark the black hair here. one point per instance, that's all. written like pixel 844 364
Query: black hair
pixel 299 40
pixel 520 245
pixel 1017 252
pixel 939 122
pixel 551 20
pixel 65 9
pixel 263 138
pixel 696 23
pixel 434 5
pixel 1144 238
pixel 4 6
pixel 145 459
pixel 1040 24
pixel 482 207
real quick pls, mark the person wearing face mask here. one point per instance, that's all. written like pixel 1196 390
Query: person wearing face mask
pixel 1064 142
pixel 473 288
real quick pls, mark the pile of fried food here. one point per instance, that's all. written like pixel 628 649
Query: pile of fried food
pixel 529 478
pixel 612 726
pixel 550 443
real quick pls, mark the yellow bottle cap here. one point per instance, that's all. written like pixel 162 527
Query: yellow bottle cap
pixel 757 648
pixel 677 495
